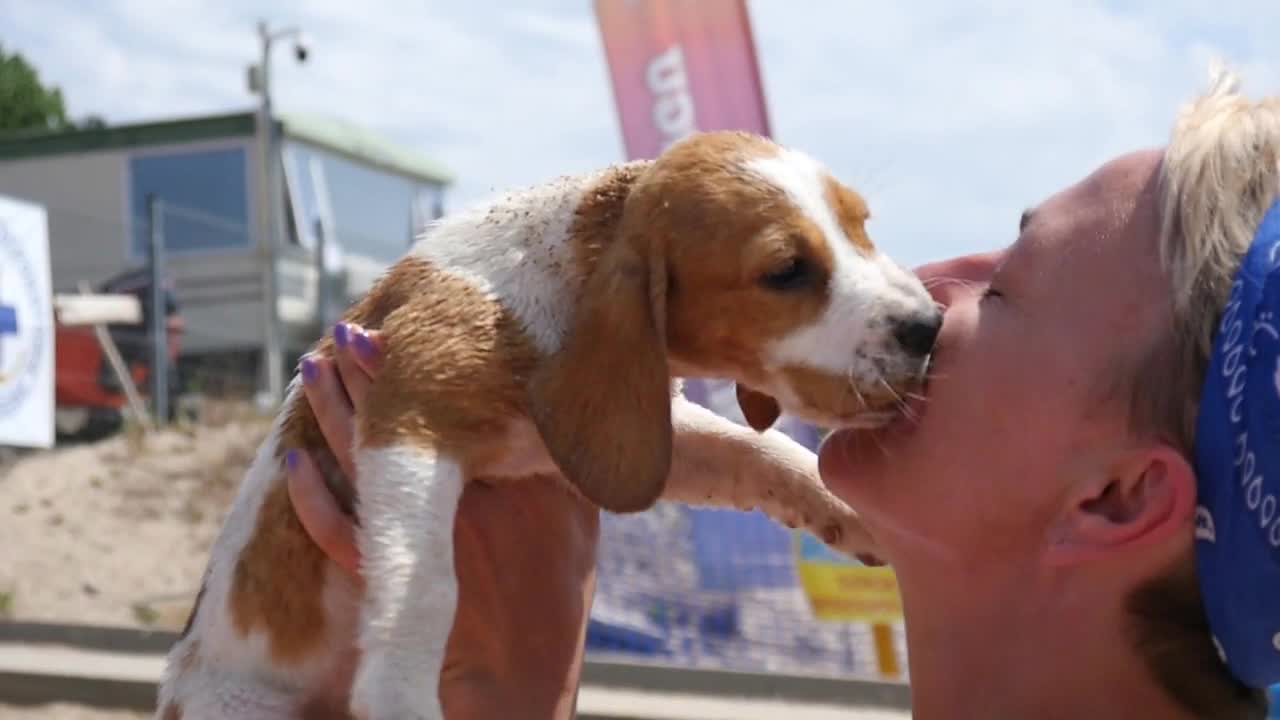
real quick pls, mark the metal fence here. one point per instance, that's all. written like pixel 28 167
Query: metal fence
pixel 712 588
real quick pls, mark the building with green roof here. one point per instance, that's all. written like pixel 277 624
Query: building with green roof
pixel 349 195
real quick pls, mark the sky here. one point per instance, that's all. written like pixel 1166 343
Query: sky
pixel 949 117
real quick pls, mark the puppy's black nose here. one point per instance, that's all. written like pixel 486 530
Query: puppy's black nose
pixel 917 334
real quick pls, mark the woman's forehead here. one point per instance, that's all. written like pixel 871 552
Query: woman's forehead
pixel 1091 253
pixel 1110 213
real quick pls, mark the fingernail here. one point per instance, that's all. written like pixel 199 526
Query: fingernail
pixel 364 346
pixel 291 459
pixel 340 334
pixel 309 370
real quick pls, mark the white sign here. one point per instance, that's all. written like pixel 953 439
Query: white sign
pixel 26 326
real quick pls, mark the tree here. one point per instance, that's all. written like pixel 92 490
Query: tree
pixel 26 104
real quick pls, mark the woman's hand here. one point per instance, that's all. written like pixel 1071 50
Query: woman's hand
pixel 525 556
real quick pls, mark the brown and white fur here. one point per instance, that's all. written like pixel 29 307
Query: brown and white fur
pixel 542 335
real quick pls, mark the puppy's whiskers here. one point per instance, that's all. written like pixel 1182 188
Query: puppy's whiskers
pixel 900 402
pixel 892 393
pixel 853 385
pixel 856 440
pixel 880 446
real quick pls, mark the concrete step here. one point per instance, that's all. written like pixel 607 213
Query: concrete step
pixel 115 668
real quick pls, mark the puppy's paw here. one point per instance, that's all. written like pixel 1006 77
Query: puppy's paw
pixel 386 690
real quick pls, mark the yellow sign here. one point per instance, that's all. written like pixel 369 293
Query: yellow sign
pixel 844 590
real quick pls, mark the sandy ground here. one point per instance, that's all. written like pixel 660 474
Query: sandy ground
pixel 118 532
pixel 67 711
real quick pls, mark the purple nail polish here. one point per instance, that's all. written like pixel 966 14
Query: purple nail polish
pixel 340 334
pixel 291 459
pixel 309 371
pixel 364 346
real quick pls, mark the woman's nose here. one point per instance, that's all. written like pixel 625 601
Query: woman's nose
pixel 947 279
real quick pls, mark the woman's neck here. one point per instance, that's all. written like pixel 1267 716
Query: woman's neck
pixel 1053 653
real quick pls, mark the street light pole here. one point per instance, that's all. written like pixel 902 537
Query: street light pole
pixel 272 225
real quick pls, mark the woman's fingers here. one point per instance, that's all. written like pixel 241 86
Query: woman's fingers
pixel 324 521
pixel 359 355
pixel 336 388
pixel 332 409
pixel 368 350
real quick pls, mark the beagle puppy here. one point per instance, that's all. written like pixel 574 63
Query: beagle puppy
pixel 540 338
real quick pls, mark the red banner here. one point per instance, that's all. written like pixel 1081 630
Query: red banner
pixel 679 66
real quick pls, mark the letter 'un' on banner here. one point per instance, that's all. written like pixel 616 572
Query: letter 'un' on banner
pixel 26 326
pixel 678 66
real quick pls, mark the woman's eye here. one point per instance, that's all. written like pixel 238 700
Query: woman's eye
pixel 991 292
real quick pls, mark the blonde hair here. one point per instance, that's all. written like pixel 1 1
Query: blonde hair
pixel 1220 174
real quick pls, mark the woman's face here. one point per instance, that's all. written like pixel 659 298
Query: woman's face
pixel 1031 338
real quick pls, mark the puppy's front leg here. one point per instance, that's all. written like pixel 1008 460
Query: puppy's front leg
pixel 408 498
pixel 717 462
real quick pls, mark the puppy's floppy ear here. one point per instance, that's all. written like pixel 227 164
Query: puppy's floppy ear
pixel 603 403
pixel 760 410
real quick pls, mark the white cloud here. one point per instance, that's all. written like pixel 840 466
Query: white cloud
pixel 978 114
pixel 951 120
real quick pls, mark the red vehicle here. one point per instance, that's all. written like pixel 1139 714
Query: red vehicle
pixel 89 397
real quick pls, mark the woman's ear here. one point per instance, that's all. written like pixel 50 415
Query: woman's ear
pixel 1146 497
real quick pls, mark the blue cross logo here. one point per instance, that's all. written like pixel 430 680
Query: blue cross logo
pixel 8 325
pixel 22 335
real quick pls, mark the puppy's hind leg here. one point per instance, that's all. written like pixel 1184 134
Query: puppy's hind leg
pixel 408 497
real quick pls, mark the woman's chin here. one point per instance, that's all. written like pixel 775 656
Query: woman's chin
pixel 839 456
pixel 850 459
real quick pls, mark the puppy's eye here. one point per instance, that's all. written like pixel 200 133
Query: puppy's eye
pixel 795 273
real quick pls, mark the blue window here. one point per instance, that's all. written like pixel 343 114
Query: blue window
pixel 375 213
pixel 302 195
pixel 205 197
pixel 428 205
